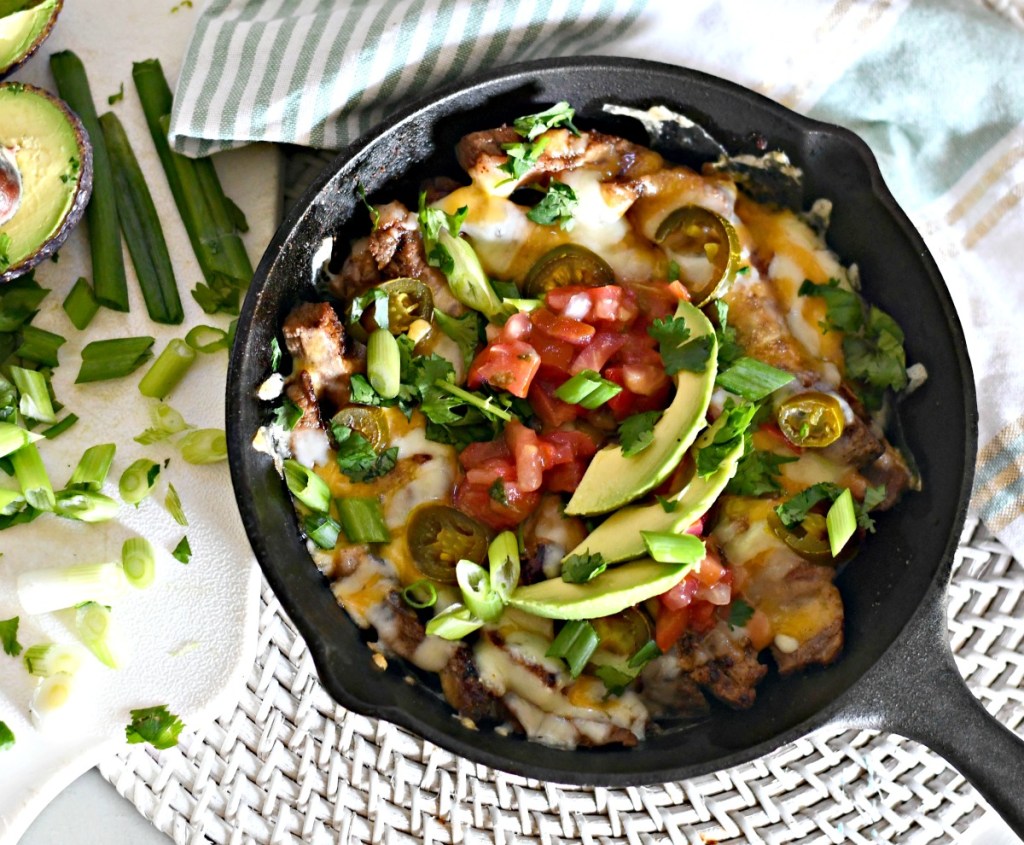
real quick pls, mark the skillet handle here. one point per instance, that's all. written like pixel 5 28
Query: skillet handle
pixel 916 690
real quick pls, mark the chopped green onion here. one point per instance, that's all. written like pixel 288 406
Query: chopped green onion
pixel 55 431
pixel 183 551
pixel 167 370
pixel 644 655
pixel 138 481
pixel 172 501
pixel 13 437
pixel 40 346
pixel 524 304
pixel 166 421
pixel 80 305
pixel 752 379
pixel 362 520
pixel 85 506
pixel 322 530
pixel 483 602
pixel 383 363
pixel 50 699
pixel 588 390
pixel 54 588
pixel 104 233
pixel 411 594
pixel 453 623
pixel 575 644
pixel 95 629
pixel 503 557
pixel 484 404
pixel 115 358
pixel 141 227
pixel 11 501
pixel 49 659
pixel 138 562
pixel 466 277
pixel 32 477
pixel 666 547
pixel 93 467
pixel 35 400
pixel 308 487
pixel 204 446
pixel 841 522
pixel 207 339
pixel 6 737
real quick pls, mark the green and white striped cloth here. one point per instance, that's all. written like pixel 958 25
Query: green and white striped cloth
pixel 936 87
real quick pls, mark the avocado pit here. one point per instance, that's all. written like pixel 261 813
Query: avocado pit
pixel 10 185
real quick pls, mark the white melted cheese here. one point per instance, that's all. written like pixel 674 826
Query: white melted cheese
pixel 310 447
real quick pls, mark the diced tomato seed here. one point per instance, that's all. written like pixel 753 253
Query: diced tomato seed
pixel 598 352
pixel 563 328
pixel 681 595
pixel 697 528
pixel 517 327
pixel 670 626
pixel 645 379
pixel 507 366
pixel 558 298
pixel 710 570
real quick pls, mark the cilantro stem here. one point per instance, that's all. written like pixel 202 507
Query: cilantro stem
pixel 485 405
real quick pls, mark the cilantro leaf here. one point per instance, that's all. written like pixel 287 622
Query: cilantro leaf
pixel 464 330
pixel 728 348
pixel 9 636
pixel 792 512
pixel 739 613
pixel 877 357
pixel 155 725
pixel 6 737
pixel 726 438
pixel 275 354
pixel 756 474
pixel 558 206
pixel 667 505
pixel 183 551
pixel 374 213
pixel 636 433
pixel 286 415
pixel 531 125
pixel 358 459
pixel 676 350
pixel 374 300
pixel 873 497
pixel 844 311
pixel 497 492
pixel 578 569
pixel 674 271
pixel 521 159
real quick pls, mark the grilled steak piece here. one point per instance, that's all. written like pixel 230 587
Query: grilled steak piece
pixel 810 594
pixel 724 663
pixel 461 685
pixel 316 340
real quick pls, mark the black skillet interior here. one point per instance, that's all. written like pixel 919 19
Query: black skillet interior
pixel 881 589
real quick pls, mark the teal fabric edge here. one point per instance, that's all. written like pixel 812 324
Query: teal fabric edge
pixel 930 105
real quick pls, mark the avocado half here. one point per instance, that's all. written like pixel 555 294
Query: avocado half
pixel 45 176
pixel 24 25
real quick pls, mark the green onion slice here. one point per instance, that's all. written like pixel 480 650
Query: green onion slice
pixel 841 522
pixel 80 305
pixel 6 737
pixel 322 530
pixel 453 623
pixel 85 506
pixel 207 339
pixel 35 402
pixel 172 501
pixel 308 487
pixel 40 346
pixel 666 547
pixel 752 379
pixel 138 561
pixel 575 644
pixel 13 437
pixel 183 551
pixel 363 520
pixel 48 589
pixel 425 587
pixel 115 358
pixel 167 370
pixel 93 467
pixel 33 478
pixel 383 363
pixel 503 556
pixel 49 659
pixel 138 481
pixel 483 602
pixel 588 390
pixel 95 629
pixel 204 446
pixel 11 501
pixel 57 430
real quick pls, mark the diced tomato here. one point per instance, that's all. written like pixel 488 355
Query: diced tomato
pixel 479 453
pixel 598 352
pixel 711 571
pixel 681 595
pixel 490 471
pixel 557 299
pixel 655 299
pixel 508 366
pixel 582 445
pixel 627 402
pixel 703 616
pixel 477 501
pixel 759 629
pixel 553 352
pixel 565 478
pixel 636 350
pixel 554 453
pixel 670 626
pixel 645 379
pixel 678 291
pixel 606 301
pixel 552 411
pixel 526 450
pixel 517 327
pixel 562 328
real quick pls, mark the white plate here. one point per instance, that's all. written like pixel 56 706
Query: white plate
pixel 192 635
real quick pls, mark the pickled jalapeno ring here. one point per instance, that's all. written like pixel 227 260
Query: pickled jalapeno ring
pixel 692 232
pixel 812 419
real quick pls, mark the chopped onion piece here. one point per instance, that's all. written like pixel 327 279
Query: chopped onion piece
pixel 54 588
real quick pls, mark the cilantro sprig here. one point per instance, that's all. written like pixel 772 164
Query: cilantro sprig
pixel 578 569
pixel 357 458
pixel 731 432
pixel 757 474
pixel 531 125
pixel 9 636
pixel 792 512
pixel 677 350
pixel 155 725
pixel 636 432
pixel 557 207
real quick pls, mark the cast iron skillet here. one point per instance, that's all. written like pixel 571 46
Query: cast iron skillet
pixel 896 673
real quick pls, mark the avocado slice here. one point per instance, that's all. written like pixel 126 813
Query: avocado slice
pixel 612 480
pixel 45 176
pixel 618 537
pixel 24 25
pixel 610 592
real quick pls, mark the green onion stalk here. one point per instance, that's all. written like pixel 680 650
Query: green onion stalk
pixel 167 370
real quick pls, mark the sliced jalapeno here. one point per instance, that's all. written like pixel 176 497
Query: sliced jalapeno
pixel 372 423
pixel 408 300
pixel 695 232
pixel 440 536
pixel 811 419
pixel 625 633
pixel 809 539
pixel 565 265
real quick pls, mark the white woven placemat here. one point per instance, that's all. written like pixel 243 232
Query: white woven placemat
pixel 289 765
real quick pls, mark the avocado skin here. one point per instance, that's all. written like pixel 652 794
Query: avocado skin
pixel 82 193
pixel 7 71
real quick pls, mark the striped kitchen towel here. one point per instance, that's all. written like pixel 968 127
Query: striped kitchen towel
pixel 936 87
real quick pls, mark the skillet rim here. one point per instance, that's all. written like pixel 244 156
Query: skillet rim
pixel 239 440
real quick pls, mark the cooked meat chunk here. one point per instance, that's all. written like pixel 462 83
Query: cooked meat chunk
pixel 811 615
pixel 548 535
pixel 300 391
pixel 891 470
pixel 461 685
pixel 438 188
pixel 316 340
pixel 405 632
pixel 669 692
pixel 725 663
pixel 857 445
